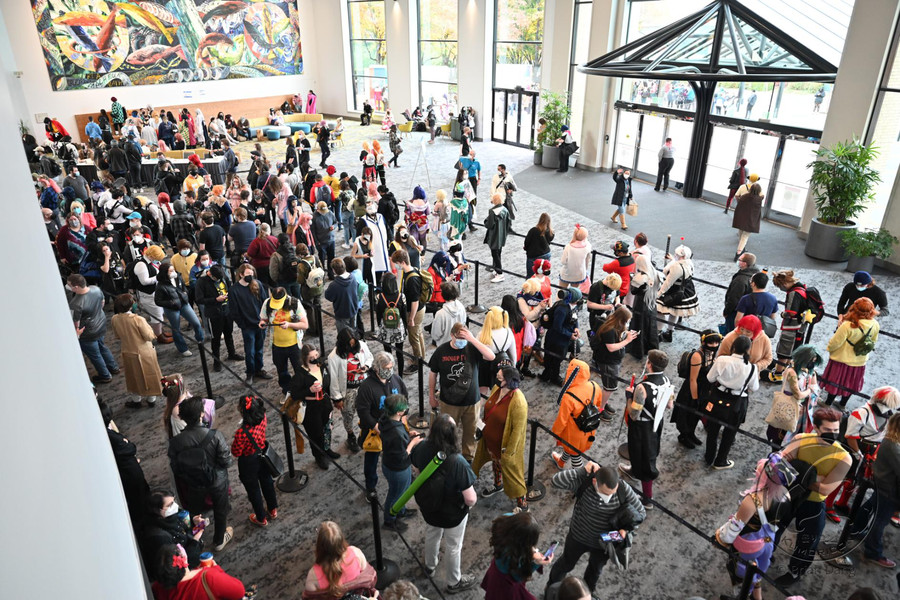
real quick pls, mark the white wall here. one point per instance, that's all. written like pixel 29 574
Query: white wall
pixel 40 98
pixel 65 525
pixel 476 53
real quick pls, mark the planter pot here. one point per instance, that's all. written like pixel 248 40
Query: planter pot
pixel 824 241
pixel 860 263
pixel 550 158
pixel 538 155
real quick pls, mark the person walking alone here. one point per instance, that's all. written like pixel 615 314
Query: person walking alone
pixel 666 156
pixel 622 196
pixel 738 178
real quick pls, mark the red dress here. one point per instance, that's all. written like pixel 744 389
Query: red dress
pixel 222 585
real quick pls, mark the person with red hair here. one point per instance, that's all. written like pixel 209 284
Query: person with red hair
pixel 760 348
pixel 849 350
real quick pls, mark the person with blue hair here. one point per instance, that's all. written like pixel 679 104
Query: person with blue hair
pixel 562 329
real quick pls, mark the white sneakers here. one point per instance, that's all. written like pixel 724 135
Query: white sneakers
pixel 497 278
pixel 345 246
pixel 187 353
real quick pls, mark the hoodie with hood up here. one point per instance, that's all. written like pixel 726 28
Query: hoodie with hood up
pixel 343 295
pixel 451 312
pixel 583 389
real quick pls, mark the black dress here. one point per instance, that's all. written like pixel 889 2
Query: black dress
pixel 317 411
pixel 686 421
pixel 643 319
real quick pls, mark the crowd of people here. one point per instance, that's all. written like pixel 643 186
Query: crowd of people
pixel 209 254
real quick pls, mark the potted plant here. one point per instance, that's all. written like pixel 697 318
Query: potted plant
pixel 864 246
pixel 842 183
pixel 555 112
pixel 538 152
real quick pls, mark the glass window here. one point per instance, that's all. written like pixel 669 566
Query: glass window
pixel 793 177
pixel 626 138
pixel 581 35
pixel 652 139
pixel 438 56
pixel 680 131
pixel 368 53
pixel 723 152
pixel 518 43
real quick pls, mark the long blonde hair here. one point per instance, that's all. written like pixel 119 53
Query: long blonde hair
pixel 330 548
pixel 496 318
pixel 892 431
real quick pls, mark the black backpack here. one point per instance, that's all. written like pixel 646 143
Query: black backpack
pixel 588 420
pixel 55 169
pixel 193 466
pixel 684 363
pixel 501 358
pixel 432 499
pixel 459 389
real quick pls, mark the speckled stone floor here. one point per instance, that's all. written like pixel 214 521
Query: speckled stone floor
pixel 668 560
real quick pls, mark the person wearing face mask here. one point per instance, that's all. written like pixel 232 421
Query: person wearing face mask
pixel 348 363
pixel 404 241
pixel 602 504
pixel 171 294
pixel 142 374
pixel 245 301
pixel 502 441
pixel 562 330
pixel 71 242
pixel 87 219
pixel 249 441
pixel 647 401
pixel 821 450
pixel 863 286
pixel 141 276
pixel 379 257
pixel 694 388
pixel 168 523
pixel 211 293
pixel 799 384
pixel 136 242
pixel 865 431
pixel 455 364
pixel 622 195
pixel 760 348
pixel 183 260
pixel 732 378
pixel 381 383
pixel 78 184
pixel 287 317
pixel 201 265
pixel 849 349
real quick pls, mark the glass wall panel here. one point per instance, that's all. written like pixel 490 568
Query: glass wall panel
pixel 626 138
pixel 680 132
pixel 652 138
pixel 518 43
pixel 759 150
pixel 793 177
pixel 368 53
pixel 723 152
pixel 438 56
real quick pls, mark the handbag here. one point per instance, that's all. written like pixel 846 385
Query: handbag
pixel 785 412
pixel 768 323
pixel 372 443
pixel 269 456
pixel 680 290
pixel 632 209
pixel 722 406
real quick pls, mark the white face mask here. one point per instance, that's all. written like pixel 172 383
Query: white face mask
pixel 109 226
pixel 861 288
pixel 138 239
pixel 371 209
pixel 173 509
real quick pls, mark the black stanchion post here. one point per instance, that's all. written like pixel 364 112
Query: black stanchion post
pixel 220 400
pixel 422 421
pixel 747 583
pixel 537 490
pixel 388 571
pixel 318 309
pixel 294 480
pixel 476 307
pixel 593 263
pixel 370 335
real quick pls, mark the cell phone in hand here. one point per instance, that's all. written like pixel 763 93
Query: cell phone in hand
pixel 551 549
pixel 612 536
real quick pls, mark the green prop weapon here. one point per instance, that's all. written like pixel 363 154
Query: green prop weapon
pixel 439 458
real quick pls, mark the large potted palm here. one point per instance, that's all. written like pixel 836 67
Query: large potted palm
pixel 842 183
pixel 555 112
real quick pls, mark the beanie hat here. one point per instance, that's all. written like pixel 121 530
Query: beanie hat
pixel 418 193
pixel 154 253
pixel 859 278
pixel 621 247
pixel 751 323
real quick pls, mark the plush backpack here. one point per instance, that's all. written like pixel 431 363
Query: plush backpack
pixel 865 345
pixel 192 464
pixel 391 317
pixel 427 285
pixel 501 357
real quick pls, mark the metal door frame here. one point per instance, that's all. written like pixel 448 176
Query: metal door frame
pixel 522 93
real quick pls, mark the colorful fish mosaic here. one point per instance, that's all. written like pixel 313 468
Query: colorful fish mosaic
pixel 91 44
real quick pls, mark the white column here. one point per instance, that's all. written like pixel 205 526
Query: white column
pixel 402 54
pixel 558 17
pixel 597 126
pixel 65 523
pixel 476 55
pixel 856 88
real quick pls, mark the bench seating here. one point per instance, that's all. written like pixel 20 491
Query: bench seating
pixel 296 122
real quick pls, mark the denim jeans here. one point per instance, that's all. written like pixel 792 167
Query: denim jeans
pixel 810 521
pixel 174 319
pixel 370 469
pixel 326 254
pixel 348 220
pixel 254 338
pixel 100 357
pixel 884 509
pixel 398 482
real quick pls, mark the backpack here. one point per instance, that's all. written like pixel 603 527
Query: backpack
pixel 323 194
pixel 863 346
pixel 814 302
pixel 427 285
pixel 216 211
pixel 391 317
pixel 459 389
pixel 588 420
pixel 501 357
pixel 192 464
pixel 289 267
pixel 433 501
pixel 305 279
pixel 55 169
pixel 684 363
pixel 547 317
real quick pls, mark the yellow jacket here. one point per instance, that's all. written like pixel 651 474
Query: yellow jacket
pixel 512 463
pixel 183 265
pixel 335 184
pixel 840 348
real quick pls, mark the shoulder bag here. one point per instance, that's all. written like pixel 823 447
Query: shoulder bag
pixel 785 412
pixel 722 404
pixel 372 443
pixel 269 456
pixel 770 327
pixel 680 290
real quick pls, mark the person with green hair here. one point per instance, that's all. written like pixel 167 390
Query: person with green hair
pixel 799 383
pixel 397 443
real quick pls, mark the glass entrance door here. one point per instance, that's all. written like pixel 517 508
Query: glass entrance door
pixel 513 117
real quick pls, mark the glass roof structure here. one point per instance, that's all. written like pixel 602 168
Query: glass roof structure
pixel 724 41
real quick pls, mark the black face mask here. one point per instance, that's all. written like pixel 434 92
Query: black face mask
pixel 248 278
pixel 829 436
